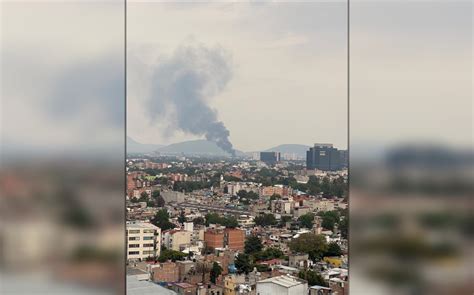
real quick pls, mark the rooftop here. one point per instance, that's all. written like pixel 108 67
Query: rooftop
pixel 285 281
pixel 137 224
pixel 136 287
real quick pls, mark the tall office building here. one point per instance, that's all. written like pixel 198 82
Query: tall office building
pixel 270 157
pixel 324 157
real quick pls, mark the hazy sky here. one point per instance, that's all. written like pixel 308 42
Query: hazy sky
pixel 62 71
pixel 288 66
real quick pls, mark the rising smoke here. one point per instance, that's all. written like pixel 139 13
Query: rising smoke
pixel 181 87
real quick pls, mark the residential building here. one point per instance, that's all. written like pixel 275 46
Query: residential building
pixel 282 285
pixel 143 240
pixel 165 272
pixel 234 239
pixel 214 238
pixel 176 239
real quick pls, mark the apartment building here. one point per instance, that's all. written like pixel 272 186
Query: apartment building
pixel 176 239
pixel 143 240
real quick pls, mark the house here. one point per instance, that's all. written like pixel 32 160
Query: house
pixel 282 285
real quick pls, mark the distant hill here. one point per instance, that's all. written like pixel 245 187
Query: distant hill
pixel 134 146
pixel 298 149
pixel 195 147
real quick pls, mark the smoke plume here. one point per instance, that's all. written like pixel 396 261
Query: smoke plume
pixel 181 87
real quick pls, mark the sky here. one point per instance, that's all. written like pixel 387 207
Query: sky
pixel 287 61
pixel 62 71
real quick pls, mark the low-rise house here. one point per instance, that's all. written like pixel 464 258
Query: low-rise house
pixel 282 285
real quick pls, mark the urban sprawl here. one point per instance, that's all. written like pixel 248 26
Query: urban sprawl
pixel 265 224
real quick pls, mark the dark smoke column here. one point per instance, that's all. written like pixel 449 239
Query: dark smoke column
pixel 181 87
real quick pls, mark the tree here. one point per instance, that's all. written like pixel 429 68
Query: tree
pixel 284 219
pixel 265 220
pixel 161 219
pixel 243 263
pixel 253 244
pixel 333 250
pixel 275 197
pixel 314 245
pixel 306 220
pixel 313 278
pixel 269 253
pixel 230 222
pixel 326 186
pixel 344 227
pixel 313 185
pixel 160 202
pixel 214 218
pixel 172 255
pixel 203 268
pixel 182 217
pixel 143 197
pixel 199 221
pixel 155 194
pixel 330 218
pixel 215 272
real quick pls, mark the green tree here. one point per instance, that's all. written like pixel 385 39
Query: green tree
pixel 253 244
pixel 330 218
pixel 314 245
pixel 199 221
pixel 182 217
pixel 313 278
pixel 160 202
pixel 143 197
pixel 215 272
pixel 306 220
pixel 275 197
pixel 269 253
pixel 284 219
pixel 265 220
pixel 212 218
pixel 333 250
pixel 313 185
pixel 243 263
pixel 172 255
pixel 344 227
pixel 155 194
pixel 161 219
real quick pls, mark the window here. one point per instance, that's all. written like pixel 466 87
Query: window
pixel 148 245
pixel 133 245
pixel 322 153
pixel 148 238
pixel 134 231
pixel 134 238
pixel 148 231
pixel 133 252
pixel 149 252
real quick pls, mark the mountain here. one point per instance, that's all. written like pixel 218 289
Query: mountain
pixel 134 147
pixel 298 149
pixel 195 147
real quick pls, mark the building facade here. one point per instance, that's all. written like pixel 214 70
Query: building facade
pixel 143 240
pixel 323 157
pixel 270 157
pixel 282 285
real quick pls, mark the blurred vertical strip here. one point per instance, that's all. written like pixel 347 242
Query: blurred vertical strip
pixel 62 147
pixel 411 156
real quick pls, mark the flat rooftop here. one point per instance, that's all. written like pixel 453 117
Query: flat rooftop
pixel 285 281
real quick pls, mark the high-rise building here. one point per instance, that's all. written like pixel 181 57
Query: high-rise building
pixel 344 156
pixel 324 157
pixel 270 157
